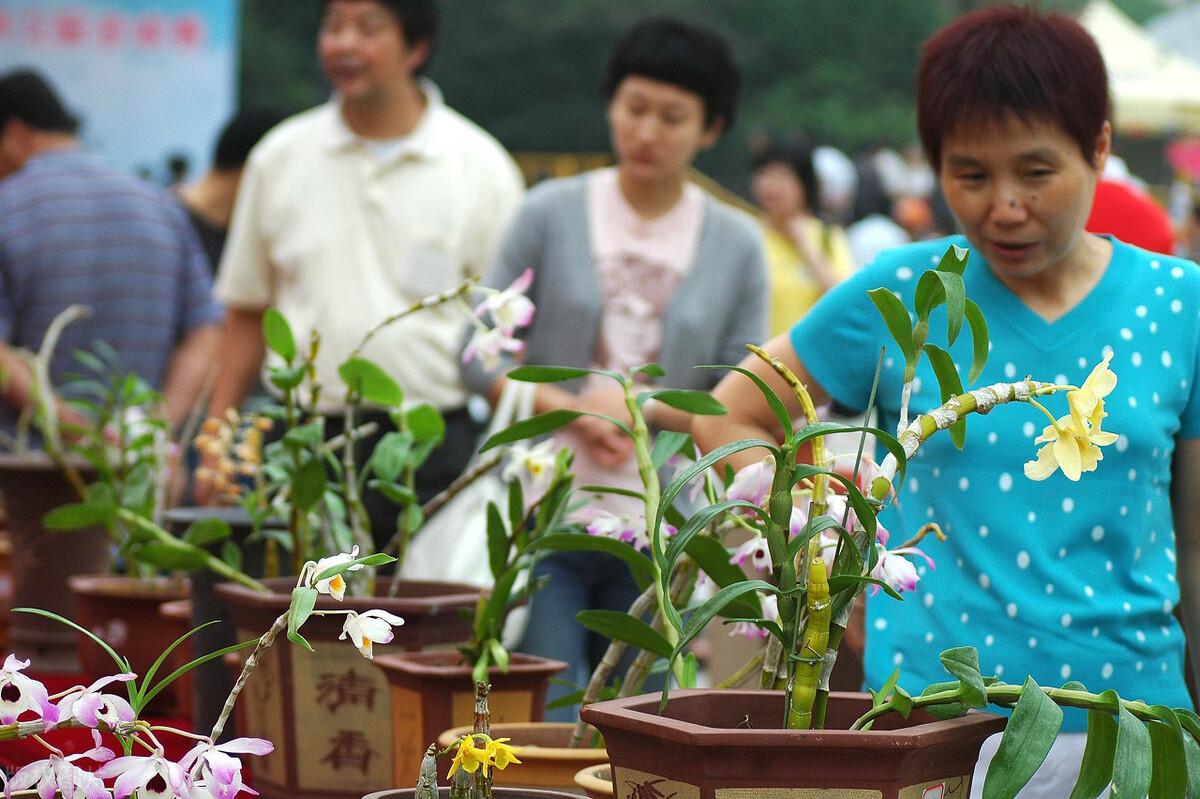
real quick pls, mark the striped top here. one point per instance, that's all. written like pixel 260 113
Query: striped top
pixel 74 231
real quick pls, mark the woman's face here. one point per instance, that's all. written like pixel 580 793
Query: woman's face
pixel 778 191
pixel 1021 192
pixel 657 128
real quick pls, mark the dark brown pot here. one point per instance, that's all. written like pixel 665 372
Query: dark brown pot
pixel 497 793
pixel 547 761
pixel 433 691
pixel 6 589
pixel 42 560
pixel 328 712
pixel 123 612
pixel 176 617
pixel 711 743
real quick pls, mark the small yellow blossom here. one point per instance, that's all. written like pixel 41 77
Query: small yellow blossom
pixel 501 753
pixel 1073 442
pixel 470 757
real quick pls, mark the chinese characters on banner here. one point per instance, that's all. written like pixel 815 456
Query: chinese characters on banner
pixel 150 79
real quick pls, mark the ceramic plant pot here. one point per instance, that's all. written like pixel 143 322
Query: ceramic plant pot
pixel 716 744
pixel 596 781
pixel 43 560
pixel 546 759
pixel 176 617
pixel 433 691
pixel 328 712
pixel 497 793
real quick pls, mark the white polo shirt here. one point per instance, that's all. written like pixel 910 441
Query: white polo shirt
pixel 338 233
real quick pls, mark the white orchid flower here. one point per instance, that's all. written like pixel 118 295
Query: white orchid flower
pixel 61 775
pixel 153 777
pixel 369 628
pixel 533 467
pixel 215 772
pixel 19 693
pixel 510 308
pixel 334 586
pixel 89 707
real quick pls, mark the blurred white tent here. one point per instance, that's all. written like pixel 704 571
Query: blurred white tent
pixel 1154 89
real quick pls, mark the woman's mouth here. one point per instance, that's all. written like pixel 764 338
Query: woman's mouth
pixel 1012 250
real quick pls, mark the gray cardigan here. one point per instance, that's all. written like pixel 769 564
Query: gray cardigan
pixel 719 306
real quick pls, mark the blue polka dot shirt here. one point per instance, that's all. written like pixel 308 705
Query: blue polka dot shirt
pixel 1056 579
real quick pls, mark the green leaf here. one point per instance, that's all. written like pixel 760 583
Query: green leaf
pixel 620 626
pixel 286 378
pixel 685 476
pixel 426 423
pixel 499 654
pixel 844 581
pixel 231 553
pixel 963 663
pixel 700 403
pixel 516 506
pixel 1168 774
pixel 639 565
pixel 1192 751
pixel 696 524
pixel 376 559
pixel 936 287
pixel 395 493
pixel 390 455
pixel 863 509
pixel 896 317
pixel 200 661
pixel 303 602
pixel 1026 742
pixel 148 677
pixel 650 370
pixel 369 381
pixel 667 444
pixel 172 557
pixel 979 340
pixel 773 402
pixel 497 539
pixel 712 556
pixel 691 668
pixel 889 442
pixel 122 663
pixel 533 426
pixel 78 516
pixel 1095 772
pixel 277 334
pixel 309 484
pixel 618 492
pixel 550 374
pixel 1132 764
pixel 950 385
pixel 207 531
pixel 954 259
pixel 711 607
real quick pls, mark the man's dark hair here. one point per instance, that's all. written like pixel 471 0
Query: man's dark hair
pixel 694 58
pixel 27 96
pixel 797 156
pixel 418 21
pixel 240 135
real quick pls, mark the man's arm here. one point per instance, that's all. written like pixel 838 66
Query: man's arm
pixel 239 357
pixel 188 371
pixel 1185 502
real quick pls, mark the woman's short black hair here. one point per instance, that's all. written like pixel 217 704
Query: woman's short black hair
pixel 29 97
pixel 797 156
pixel 689 56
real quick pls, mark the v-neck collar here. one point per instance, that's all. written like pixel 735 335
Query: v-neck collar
pixel 1051 336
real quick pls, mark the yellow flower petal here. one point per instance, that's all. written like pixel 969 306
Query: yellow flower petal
pixel 1066 452
pixel 1101 381
pixel 1044 466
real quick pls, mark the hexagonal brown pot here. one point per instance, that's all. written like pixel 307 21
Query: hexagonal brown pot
pixel 433 691
pixel 721 744
pixel 328 712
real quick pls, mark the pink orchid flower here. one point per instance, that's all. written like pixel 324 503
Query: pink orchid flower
pixel 753 483
pixel 896 570
pixel 19 693
pixel 60 775
pixel 757 552
pixel 153 777
pixel 623 527
pixel 770 609
pixel 488 346
pixel 510 308
pixel 90 707
pixel 214 769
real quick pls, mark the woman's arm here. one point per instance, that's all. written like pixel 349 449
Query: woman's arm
pixel 1185 503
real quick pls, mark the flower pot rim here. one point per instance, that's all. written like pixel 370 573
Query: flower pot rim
pixel 629 714
pixel 500 792
pixel 584 755
pixel 588 779
pixel 120 586
pixel 280 597
pixel 38 461
pixel 426 665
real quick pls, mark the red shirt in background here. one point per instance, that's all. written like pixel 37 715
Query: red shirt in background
pixel 1132 216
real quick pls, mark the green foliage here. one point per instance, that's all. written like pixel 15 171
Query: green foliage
pixel 366 379
pixel 1026 742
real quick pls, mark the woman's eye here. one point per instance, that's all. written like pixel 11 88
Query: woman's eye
pixel 1039 173
pixel 971 177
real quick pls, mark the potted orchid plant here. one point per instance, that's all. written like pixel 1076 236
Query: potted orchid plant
pixel 814 552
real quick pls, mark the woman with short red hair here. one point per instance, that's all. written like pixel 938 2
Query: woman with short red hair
pixel 1048 577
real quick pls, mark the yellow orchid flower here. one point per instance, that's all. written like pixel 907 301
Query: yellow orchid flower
pixel 1073 442
pixel 501 753
pixel 470 757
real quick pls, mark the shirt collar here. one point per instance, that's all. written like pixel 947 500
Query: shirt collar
pixel 422 143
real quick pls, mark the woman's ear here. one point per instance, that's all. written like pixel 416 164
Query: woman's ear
pixel 1103 148
pixel 713 133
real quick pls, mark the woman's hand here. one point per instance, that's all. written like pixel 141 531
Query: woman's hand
pixel 606 444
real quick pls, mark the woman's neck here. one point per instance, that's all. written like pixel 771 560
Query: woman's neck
pixel 1054 292
pixel 651 199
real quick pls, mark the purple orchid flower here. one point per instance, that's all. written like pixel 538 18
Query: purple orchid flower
pixel 215 769
pixel 60 775
pixel 153 777
pixel 896 570
pixel 756 551
pixel 753 483
pixel 510 308
pixel 90 707
pixel 19 693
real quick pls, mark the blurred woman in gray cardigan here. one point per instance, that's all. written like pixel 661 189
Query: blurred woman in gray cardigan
pixel 632 264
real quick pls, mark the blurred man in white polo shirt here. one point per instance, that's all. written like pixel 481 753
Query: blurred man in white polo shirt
pixel 353 210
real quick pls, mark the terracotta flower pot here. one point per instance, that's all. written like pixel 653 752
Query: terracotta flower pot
pixel 42 560
pixel 546 760
pixel 329 712
pixel 596 781
pixel 123 612
pixel 497 793
pixel 432 691
pixel 712 743
pixel 176 617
